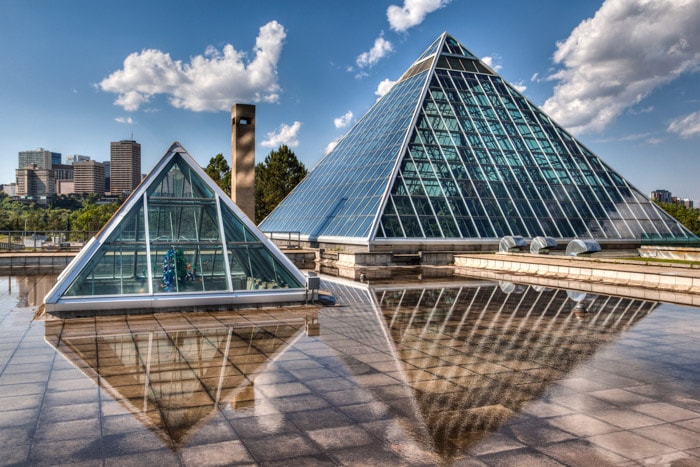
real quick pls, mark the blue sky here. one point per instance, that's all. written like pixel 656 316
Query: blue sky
pixel 622 75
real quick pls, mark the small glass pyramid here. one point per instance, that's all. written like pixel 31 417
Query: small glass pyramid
pixel 178 241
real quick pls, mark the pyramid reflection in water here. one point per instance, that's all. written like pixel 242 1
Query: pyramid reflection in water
pixel 440 367
pixel 172 372
pixel 474 355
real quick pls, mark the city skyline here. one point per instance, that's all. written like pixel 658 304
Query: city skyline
pixel 617 74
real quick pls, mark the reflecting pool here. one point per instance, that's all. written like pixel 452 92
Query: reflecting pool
pixel 468 372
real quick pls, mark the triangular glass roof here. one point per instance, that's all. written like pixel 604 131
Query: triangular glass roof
pixel 178 240
pixel 455 152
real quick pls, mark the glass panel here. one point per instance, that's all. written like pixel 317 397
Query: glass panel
pixel 119 267
pixel 252 265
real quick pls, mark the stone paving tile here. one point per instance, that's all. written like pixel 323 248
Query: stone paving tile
pixel 538 433
pixel 155 458
pixel 279 447
pixel 16 418
pixel 523 456
pixel 124 423
pixel 630 445
pixel 620 397
pixel 672 435
pixel 66 451
pixel 131 443
pixel 341 437
pixel 63 413
pixel 324 418
pixel 263 426
pixel 282 390
pixel 216 453
pixel 582 425
pixel 626 419
pixel 17 455
pixel 361 456
pixel 66 430
pixel 665 411
pixel 693 424
pixel 580 452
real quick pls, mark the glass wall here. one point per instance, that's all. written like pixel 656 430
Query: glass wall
pixel 179 237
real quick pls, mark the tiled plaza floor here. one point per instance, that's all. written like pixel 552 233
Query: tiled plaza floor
pixel 470 374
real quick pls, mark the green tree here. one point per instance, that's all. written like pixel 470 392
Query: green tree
pixel 219 171
pixel 275 178
pixel 687 216
pixel 91 217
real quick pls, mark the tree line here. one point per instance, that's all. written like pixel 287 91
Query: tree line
pixel 275 178
pixel 689 217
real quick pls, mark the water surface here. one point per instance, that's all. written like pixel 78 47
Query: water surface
pixel 426 373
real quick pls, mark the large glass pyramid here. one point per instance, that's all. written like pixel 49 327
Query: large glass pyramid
pixel 178 241
pixel 454 152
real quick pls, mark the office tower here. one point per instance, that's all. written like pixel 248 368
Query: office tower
pixel 89 177
pixel 42 158
pixel 125 166
pixel 76 158
pixel 107 165
pixel 455 157
pixel 36 183
pixel 662 196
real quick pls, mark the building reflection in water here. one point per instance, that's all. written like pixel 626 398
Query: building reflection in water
pixel 173 371
pixel 28 290
pixel 444 364
pixel 473 356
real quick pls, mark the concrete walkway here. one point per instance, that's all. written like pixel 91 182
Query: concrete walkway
pixel 652 281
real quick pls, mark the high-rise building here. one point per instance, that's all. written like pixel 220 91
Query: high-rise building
pixel 35 182
pixel 10 189
pixel 76 158
pixel 454 157
pixel 42 158
pixel 125 167
pixel 62 171
pixel 89 177
pixel 107 165
pixel 662 196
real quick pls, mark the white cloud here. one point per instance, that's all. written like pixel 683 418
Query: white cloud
pixel 654 140
pixel 412 13
pixel 535 77
pixel 286 134
pixel 520 87
pixel 617 58
pixel 331 146
pixel 622 138
pixel 343 121
pixel 378 51
pixel 127 120
pixel 490 62
pixel 384 87
pixel 209 82
pixel 686 126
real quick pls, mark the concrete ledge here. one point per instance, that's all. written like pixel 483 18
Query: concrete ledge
pixel 34 263
pixel 661 278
